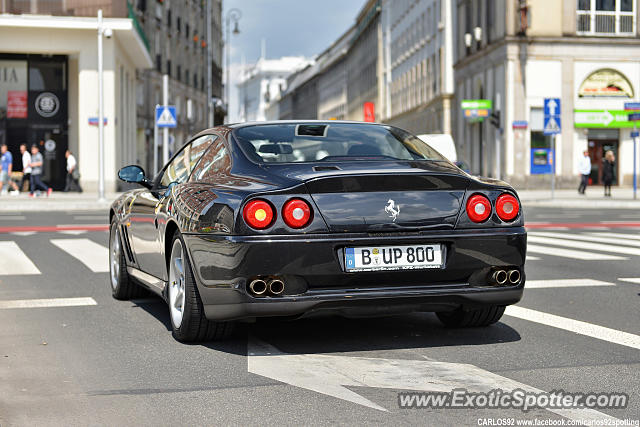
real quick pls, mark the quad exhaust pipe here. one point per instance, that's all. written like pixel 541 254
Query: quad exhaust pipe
pixel 275 286
pixel 505 277
pixel 261 287
pixel 258 287
pixel 514 276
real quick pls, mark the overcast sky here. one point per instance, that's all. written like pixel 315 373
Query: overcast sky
pixel 290 27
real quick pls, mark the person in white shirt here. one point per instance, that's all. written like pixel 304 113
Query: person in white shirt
pixel 584 167
pixel 73 176
pixel 26 169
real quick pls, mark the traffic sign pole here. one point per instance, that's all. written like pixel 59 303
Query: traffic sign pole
pixel 553 167
pixel 165 131
pixel 635 160
pixel 552 126
pixel 155 145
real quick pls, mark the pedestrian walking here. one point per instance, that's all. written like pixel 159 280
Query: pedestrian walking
pixel 36 171
pixel 6 166
pixel 26 169
pixel 584 167
pixel 73 176
pixel 608 172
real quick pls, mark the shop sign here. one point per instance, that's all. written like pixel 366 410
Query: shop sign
pixel 614 119
pixel 13 87
pixel 606 83
pixel 17 104
pixel 476 109
pixel 47 104
pixel 369 112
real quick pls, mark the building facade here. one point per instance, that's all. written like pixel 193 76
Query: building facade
pixel 261 85
pixel 418 41
pixel 516 54
pixel 50 47
pixel 177 40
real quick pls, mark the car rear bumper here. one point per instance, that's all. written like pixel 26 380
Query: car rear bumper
pixel 314 266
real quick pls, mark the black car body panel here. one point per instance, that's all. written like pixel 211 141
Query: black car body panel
pixel 348 201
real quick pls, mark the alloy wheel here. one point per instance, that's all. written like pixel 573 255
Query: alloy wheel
pixel 176 284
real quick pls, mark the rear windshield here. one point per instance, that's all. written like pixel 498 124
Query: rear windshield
pixel 313 142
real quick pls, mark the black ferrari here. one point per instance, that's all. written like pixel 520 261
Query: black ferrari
pixel 291 218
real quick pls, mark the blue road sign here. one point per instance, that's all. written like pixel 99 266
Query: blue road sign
pixel 635 134
pixel 632 105
pixel 634 116
pixel 552 122
pixel 166 116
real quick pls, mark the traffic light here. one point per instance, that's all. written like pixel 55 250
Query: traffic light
pixel 495 119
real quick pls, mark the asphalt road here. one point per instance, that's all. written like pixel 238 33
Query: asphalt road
pixel 108 362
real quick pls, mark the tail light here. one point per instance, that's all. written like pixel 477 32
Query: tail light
pixel 507 207
pixel 478 208
pixel 296 213
pixel 258 214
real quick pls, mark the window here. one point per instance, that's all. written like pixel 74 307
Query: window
pixel 215 161
pixel 285 143
pixel 181 166
pixel 606 17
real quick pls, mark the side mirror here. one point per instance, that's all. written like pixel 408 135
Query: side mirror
pixel 134 174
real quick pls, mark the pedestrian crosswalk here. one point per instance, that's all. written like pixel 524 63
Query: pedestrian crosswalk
pixel 15 262
pixel 588 246
pixel 88 252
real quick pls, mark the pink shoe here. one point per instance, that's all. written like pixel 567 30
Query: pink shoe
pixel 49 191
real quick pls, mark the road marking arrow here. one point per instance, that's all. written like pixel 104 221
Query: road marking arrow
pixel 330 375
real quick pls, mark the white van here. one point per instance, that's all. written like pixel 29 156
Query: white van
pixel 443 143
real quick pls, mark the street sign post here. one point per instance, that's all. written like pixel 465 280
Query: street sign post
pixel 634 117
pixel 552 126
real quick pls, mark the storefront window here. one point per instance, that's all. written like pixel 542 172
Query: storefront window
pixel 540 140
pixel 47 76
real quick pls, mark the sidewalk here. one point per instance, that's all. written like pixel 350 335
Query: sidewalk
pixel 621 198
pixel 58 201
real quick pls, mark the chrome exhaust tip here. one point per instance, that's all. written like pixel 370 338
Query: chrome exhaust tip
pixel 258 286
pixel 499 277
pixel 514 277
pixel 276 286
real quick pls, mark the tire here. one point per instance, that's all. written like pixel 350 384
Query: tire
pixel 464 319
pixel 185 306
pixel 122 287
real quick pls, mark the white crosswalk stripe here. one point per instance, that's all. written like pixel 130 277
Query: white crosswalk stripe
pixel 565 283
pixel 598 239
pixel 15 262
pixel 88 252
pixel 584 245
pixel 635 280
pixel 620 235
pixel 568 253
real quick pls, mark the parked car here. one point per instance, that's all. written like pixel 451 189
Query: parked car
pixel 443 143
pixel 293 217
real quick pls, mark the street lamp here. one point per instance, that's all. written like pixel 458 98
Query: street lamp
pixel 232 15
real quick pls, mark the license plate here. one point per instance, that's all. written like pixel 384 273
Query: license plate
pixel 375 258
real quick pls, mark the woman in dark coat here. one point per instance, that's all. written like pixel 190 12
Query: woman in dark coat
pixel 608 172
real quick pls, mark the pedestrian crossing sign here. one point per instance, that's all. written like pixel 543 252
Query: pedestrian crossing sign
pixel 166 116
pixel 552 125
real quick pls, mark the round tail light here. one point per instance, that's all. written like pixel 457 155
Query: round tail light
pixel 258 214
pixel 478 208
pixel 296 213
pixel 507 207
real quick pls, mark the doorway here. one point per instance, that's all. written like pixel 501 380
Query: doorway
pixel 597 150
